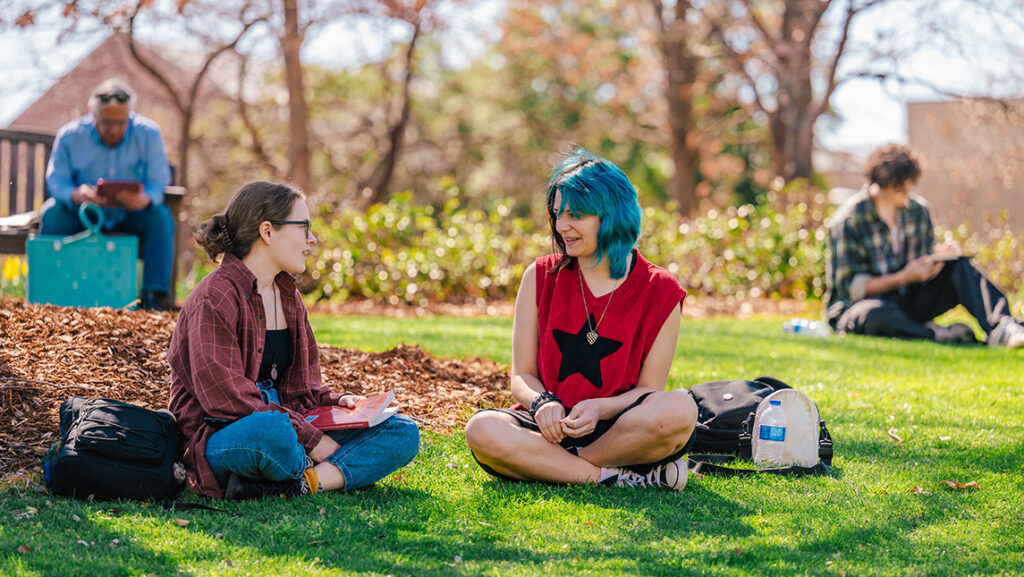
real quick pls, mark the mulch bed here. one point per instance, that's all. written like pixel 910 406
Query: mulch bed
pixel 50 353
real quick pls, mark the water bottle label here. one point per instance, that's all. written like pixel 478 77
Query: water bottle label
pixel 770 433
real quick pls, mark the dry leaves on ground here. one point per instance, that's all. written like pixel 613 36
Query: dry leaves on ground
pixel 958 486
pixel 49 353
pixel 894 437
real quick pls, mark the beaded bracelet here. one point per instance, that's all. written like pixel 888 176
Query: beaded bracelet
pixel 543 399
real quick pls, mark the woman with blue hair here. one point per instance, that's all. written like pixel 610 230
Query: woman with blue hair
pixel 594 334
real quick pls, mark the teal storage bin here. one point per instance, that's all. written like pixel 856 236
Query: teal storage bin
pixel 88 269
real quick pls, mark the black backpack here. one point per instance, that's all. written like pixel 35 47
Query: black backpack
pixel 113 450
pixel 726 413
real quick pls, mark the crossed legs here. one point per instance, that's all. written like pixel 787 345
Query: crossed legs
pixel 658 427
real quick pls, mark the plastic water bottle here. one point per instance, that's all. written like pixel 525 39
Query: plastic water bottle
pixel 807 328
pixel 771 436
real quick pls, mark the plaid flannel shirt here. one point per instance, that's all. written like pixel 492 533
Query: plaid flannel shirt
pixel 860 247
pixel 215 355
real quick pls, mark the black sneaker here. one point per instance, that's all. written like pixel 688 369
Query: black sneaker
pixel 671 476
pixel 240 487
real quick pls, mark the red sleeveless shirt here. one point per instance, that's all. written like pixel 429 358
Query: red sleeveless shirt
pixel 572 368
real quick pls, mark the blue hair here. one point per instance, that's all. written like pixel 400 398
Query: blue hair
pixel 593 185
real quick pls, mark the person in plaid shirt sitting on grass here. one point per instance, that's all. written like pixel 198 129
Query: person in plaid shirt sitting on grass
pixel 245 366
pixel 887 277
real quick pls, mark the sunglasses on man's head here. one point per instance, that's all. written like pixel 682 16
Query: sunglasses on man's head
pixel 304 223
pixel 118 95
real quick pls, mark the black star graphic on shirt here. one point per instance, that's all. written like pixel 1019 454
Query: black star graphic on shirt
pixel 579 356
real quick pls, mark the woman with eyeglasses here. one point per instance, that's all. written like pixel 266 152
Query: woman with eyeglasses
pixel 245 366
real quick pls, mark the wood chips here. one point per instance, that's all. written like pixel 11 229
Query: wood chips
pixel 50 353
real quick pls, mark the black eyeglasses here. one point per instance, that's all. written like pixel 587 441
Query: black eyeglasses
pixel 304 223
pixel 118 95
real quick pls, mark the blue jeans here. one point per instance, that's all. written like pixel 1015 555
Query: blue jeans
pixel 154 226
pixel 264 446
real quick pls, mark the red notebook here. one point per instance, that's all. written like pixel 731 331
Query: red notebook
pixel 367 413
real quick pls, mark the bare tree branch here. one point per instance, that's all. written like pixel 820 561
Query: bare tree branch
pixel 380 178
pixel 258 147
pixel 760 25
pixel 185 107
pixel 738 61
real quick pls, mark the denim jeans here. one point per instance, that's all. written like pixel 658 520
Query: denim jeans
pixel 264 446
pixel 268 391
pixel 154 226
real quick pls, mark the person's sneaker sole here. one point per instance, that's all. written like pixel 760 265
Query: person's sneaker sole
pixel 683 475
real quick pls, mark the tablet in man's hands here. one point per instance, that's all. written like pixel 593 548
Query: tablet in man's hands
pixel 111 190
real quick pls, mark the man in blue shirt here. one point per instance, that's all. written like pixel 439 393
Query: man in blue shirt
pixel 113 143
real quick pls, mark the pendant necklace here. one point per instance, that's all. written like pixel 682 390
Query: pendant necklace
pixel 592 333
pixel 273 366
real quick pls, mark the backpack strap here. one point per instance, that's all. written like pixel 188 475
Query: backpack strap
pixel 715 465
pixel 824 444
pixel 772 382
pixel 747 438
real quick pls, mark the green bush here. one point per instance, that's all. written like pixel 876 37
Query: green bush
pixel 775 249
pixel 404 253
pixel 997 252
pixel 400 252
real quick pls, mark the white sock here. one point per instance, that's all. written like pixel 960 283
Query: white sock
pixel 609 472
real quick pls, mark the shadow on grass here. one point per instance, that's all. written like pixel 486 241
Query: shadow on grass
pixel 408 532
pixel 498 528
pixel 63 536
pixel 518 528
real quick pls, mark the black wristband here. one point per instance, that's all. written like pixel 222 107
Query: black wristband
pixel 543 399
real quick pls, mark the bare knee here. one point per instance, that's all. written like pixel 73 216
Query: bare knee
pixel 487 433
pixel 687 409
pixel 675 413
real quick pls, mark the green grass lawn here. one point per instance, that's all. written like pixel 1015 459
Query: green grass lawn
pixel 882 511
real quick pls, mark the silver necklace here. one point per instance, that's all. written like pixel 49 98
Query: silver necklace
pixel 592 333
pixel 273 366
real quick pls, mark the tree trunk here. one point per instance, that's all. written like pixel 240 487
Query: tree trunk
pixel 298 130
pixel 793 122
pixel 680 76
pixel 375 188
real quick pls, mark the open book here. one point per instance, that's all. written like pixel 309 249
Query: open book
pixel 367 413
